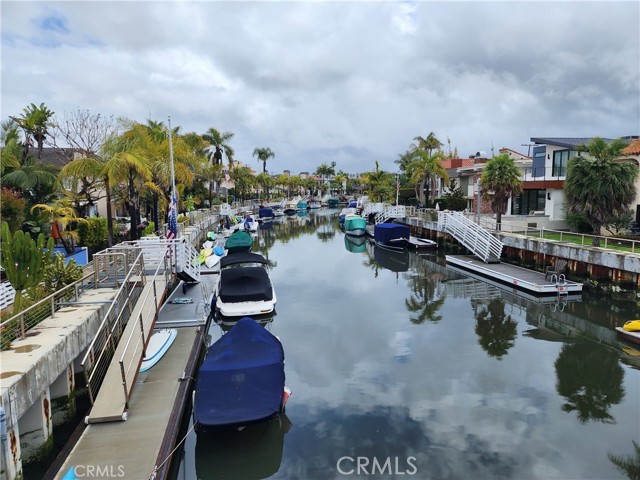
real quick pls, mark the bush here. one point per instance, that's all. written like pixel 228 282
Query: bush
pixel 58 275
pixel 93 234
pixel 12 209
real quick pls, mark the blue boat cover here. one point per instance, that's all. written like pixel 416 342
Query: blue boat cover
pixel 241 379
pixel 385 232
pixel 265 212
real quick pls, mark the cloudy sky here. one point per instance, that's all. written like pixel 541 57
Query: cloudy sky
pixel 352 82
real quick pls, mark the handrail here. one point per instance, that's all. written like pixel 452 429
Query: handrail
pixel 104 342
pixel 471 235
pixel 585 238
pixel 136 359
pixel 21 319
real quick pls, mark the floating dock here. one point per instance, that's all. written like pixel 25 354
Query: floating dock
pixel 518 278
pixel 141 446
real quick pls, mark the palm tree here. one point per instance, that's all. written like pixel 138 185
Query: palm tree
pixel 429 144
pixel 263 155
pixel 423 170
pixel 380 185
pixel 597 186
pixel 35 123
pixel 62 214
pixel 501 179
pixel 11 146
pixel 219 140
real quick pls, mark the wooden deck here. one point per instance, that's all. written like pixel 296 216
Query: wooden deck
pixel 516 277
pixel 421 244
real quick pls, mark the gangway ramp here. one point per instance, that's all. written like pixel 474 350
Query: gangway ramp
pixel 112 399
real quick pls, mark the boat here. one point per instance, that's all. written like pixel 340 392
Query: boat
pixel 343 214
pixel 333 203
pixel 352 203
pixel 241 379
pixel 302 205
pixel 243 287
pixel 355 225
pixel 290 207
pixel 277 211
pixel 630 331
pixel 420 244
pixel 392 236
pixel 238 241
pixel 266 214
pixel 315 204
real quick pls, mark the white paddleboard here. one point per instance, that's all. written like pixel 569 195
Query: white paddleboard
pixel 158 345
pixel 212 260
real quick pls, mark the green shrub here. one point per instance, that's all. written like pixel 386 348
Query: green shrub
pixel 58 275
pixel 93 234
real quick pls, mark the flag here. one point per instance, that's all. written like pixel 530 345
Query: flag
pixel 173 220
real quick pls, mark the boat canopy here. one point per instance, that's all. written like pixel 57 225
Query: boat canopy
pixel 246 284
pixel 354 221
pixel 241 379
pixel 386 232
pixel 242 257
pixel 238 242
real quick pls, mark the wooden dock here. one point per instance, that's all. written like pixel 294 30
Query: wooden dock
pixel 421 244
pixel 518 278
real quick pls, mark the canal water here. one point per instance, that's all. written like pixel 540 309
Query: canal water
pixel 403 368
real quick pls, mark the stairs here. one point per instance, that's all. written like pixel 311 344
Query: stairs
pixel 482 243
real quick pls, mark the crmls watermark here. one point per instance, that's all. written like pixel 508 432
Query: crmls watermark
pixel 377 466
pixel 97 471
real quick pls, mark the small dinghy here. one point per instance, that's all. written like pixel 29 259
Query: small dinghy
pixel 241 380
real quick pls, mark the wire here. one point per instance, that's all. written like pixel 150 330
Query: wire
pixel 157 467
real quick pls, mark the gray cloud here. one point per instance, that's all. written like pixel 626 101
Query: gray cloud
pixel 351 82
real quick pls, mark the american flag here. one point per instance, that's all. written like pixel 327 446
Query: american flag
pixel 173 220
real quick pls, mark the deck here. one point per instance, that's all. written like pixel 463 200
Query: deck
pixel 518 278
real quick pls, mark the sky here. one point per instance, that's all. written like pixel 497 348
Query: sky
pixel 350 82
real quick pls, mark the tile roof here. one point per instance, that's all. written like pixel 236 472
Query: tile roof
pixel 633 148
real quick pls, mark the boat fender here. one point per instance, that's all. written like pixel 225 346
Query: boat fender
pixel 285 395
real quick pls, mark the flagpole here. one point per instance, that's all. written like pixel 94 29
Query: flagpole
pixel 173 175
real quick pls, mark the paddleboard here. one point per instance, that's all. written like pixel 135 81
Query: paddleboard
pixel 158 345
pixel 212 260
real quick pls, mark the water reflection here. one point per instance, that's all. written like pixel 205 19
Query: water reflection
pixel 409 358
pixel 355 244
pixel 253 452
pixel 590 380
pixel 496 330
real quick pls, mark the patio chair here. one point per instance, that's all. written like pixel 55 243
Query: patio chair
pixel 559 268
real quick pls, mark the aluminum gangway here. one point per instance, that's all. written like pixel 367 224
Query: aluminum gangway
pixel 478 240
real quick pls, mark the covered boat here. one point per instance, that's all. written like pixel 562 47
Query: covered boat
pixel 243 287
pixel 241 379
pixel 239 241
pixel 266 214
pixel 355 225
pixel 392 236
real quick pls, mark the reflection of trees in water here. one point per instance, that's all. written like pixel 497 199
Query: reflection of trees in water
pixel 496 331
pixel 630 465
pixel 423 300
pixel 590 379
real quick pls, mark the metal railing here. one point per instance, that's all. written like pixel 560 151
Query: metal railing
pixel 96 361
pixel 19 324
pixel 583 239
pixel 471 235
pixel 134 349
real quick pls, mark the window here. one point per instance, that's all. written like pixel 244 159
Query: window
pixel 527 201
pixel 560 161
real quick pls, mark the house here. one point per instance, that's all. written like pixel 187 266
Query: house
pixel 632 154
pixel 543 181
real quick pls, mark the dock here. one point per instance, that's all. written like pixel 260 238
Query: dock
pixel 518 278
pixel 140 447
pixel 421 244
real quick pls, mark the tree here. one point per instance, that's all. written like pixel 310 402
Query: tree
pixel 219 141
pixel 24 260
pixel 423 170
pixel 61 214
pixel 598 186
pixel 429 144
pixel 263 155
pixel 379 185
pixel 455 197
pixel 501 179
pixel 35 122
